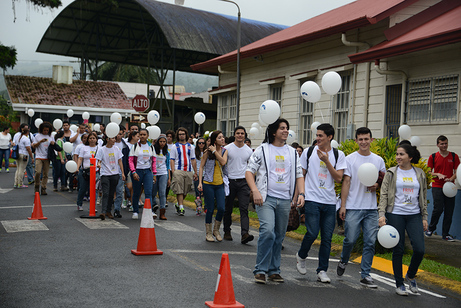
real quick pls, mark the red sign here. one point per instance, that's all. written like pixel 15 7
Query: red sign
pixel 140 103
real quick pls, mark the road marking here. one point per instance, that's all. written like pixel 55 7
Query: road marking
pixel 391 282
pixel 12 226
pixel 176 226
pixel 95 224
pixel 5 190
pixel 31 206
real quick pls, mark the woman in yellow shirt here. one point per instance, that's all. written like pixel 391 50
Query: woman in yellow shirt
pixel 211 182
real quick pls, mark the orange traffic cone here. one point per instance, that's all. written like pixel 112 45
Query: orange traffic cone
pixel 37 212
pixel 147 244
pixel 224 295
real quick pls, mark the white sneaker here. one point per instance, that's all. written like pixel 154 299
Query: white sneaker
pixel 154 215
pixel 135 216
pixel 323 277
pixel 301 265
pixel 401 291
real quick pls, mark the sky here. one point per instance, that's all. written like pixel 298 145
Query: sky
pixel 26 30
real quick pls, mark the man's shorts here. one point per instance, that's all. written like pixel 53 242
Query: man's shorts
pixel 182 182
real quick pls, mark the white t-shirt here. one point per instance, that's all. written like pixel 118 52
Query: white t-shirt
pixel 360 197
pixel 41 151
pixel 76 142
pixel 86 153
pixel 279 165
pixel 78 149
pixel 161 164
pixel 109 160
pixel 237 159
pixel 119 145
pixel 170 147
pixel 23 143
pixel 319 184
pixel 5 141
pixel 182 161
pixel 407 191
pixel 144 157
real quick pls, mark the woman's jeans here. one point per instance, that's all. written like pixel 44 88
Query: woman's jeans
pixel 415 230
pixel 273 221
pixel 198 193
pixel 146 178
pixel 212 193
pixel 59 172
pixel 109 186
pixel 84 186
pixel 160 188
pixel 5 153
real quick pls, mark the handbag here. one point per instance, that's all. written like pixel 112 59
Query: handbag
pixel 15 152
pixel 293 218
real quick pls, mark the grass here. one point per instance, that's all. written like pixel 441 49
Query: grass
pixel 427 265
pixel 431 266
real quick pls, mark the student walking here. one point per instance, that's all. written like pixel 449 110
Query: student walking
pixel 279 182
pixel 25 151
pixel 162 179
pixel 42 164
pixel 211 182
pixel 199 151
pixel 87 151
pixel 403 205
pixel 5 143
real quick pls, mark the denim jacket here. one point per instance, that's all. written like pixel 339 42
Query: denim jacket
pixel 257 164
pixel 388 189
pixel 208 169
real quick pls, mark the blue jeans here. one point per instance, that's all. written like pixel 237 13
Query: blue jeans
pixel 210 193
pixel 5 153
pixel 414 226
pixel 445 205
pixel 368 221
pixel 160 188
pixel 59 172
pixel 30 170
pixel 84 186
pixel 146 178
pixel 321 217
pixel 273 221
pixel 119 194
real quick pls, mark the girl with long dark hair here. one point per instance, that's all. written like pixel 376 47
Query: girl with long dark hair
pixel 162 178
pixel 199 151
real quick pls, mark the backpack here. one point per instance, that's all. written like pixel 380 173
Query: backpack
pixel 452 153
pixel 311 149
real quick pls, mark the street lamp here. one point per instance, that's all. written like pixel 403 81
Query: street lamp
pixel 238 61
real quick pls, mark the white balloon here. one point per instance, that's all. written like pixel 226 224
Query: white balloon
pixel 153 117
pixel 199 118
pixel 207 133
pixel 333 142
pixel 310 91
pixel 116 117
pixel 315 125
pixel 38 122
pixel 53 134
pixel 331 83
pixel 458 173
pixel 143 125
pixel 254 132
pixel 256 124
pixel 367 174
pixel 97 127
pixel 388 236
pixel 71 166
pixel 85 115
pixel 269 111
pixel 70 113
pixel 68 147
pixel 154 132
pixel 112 129
pixel 449 189
pixel 194 141
pixel 31 112
pixel 458 186
pixel 415 141
pixel 73 128
pixel 405 132
pixel 261 122
pixel 291 137
pixel 57 123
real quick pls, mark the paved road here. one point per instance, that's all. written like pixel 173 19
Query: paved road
pixel 72 262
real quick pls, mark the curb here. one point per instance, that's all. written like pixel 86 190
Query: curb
pixel 379 264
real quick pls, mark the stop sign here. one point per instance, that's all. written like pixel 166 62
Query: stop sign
pixel 140 103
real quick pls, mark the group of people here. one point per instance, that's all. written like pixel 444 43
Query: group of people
pixel 275 175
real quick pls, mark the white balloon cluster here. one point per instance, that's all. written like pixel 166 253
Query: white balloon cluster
pixel 331 83
pixel 405 134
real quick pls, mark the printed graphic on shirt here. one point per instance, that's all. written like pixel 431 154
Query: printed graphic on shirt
pixel 408 189
pixel 112 161
pixel 280 168
pixel 323 175
pixel 145 155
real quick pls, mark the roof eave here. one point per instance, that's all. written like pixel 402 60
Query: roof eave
pixel 430 42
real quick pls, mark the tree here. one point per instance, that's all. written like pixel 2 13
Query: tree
pixel 7 57
pixel 128 73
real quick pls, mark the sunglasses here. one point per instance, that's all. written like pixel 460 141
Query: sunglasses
pixel 201 142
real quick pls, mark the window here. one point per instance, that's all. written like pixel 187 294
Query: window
pixel 227 113
pixel 341 107
pixel 307 118
pixel 276 93
pixel 432 99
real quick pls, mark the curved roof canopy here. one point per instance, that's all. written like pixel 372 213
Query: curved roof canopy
pixel 97 30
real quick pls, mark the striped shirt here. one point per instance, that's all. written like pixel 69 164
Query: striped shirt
pixel 182 154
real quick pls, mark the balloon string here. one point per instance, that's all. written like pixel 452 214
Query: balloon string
pixel 321 113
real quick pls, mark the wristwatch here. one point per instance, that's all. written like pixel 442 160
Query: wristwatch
pixel 302 194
